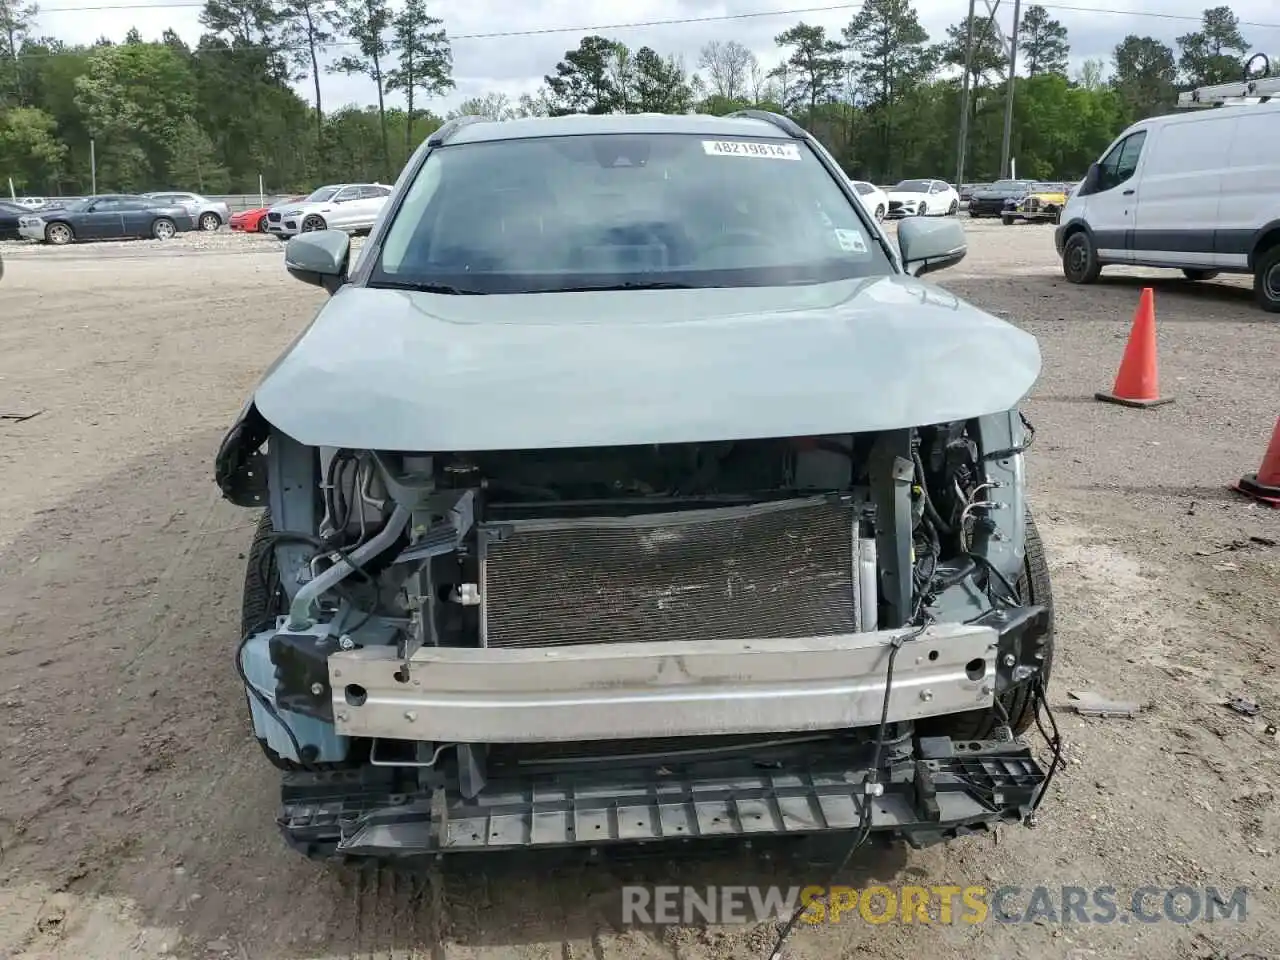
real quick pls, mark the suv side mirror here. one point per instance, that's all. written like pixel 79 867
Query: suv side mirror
pixel 929 245
pixel 319 258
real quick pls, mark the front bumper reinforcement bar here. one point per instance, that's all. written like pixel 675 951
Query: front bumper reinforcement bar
pixel 610 691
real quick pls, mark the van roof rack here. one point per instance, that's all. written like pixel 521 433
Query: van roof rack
pixel 1249 89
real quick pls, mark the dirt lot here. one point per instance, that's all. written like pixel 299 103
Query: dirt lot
pixel 136 811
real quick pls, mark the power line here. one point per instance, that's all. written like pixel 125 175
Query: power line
pixel 672 21
pixel 590 28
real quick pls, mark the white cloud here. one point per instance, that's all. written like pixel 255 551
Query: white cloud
pixel 513 64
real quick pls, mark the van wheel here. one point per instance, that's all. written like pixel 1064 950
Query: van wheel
pixel 1006 220
pixel 1199 274
pixel 1266 280
pixel 1080 259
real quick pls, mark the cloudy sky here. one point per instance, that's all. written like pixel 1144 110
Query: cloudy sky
pixel 508 45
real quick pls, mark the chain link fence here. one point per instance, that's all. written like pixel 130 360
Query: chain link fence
pixel 236 201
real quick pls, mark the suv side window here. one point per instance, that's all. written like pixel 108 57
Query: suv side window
pixel 370 192
pixel 346 193
pixel 1119 165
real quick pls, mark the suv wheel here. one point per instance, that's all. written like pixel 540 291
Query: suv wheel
pixel 1080 259
pixel 264 599
pixel 880 211
pixel 1033 587
pixel 1266 279
pixel 210 222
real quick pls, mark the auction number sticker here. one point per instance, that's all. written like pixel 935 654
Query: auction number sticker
pixel 747 148
pixel 851 241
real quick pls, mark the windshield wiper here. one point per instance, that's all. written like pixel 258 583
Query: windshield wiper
pixel 630 285
pixel 443 288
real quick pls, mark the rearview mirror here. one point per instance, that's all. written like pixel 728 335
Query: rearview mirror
pixel 1091 179
pixel 928 244
pixel 319 258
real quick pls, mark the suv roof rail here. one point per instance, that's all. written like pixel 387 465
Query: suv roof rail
pixel 450 127
pixel 785 124
pixel 1247 90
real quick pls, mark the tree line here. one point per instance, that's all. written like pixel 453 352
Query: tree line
pixel 881 93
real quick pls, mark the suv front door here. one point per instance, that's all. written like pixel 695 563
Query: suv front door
pixel 344 209
pixel 1113 202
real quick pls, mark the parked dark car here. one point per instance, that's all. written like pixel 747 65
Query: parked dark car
pixel 10 213
pixel 107 217
pixel 989 201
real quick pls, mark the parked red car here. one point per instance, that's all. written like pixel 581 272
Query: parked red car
pixel 254 221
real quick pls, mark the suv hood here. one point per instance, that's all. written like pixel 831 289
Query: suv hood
pixel 398 370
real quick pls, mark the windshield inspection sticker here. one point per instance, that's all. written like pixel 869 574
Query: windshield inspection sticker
pixel 744 148
pixel 851 241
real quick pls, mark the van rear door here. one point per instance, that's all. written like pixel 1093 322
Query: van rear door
pixel 1179 190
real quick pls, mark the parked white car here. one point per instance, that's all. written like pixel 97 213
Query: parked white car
pixel 873 198
pixel 208 214
pixel 923 198
pixel 352 207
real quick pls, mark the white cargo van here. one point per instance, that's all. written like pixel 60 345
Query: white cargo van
pixel 1197 192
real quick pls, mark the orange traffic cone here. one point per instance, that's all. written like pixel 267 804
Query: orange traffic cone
pixel 1264 486
pixel 1138 382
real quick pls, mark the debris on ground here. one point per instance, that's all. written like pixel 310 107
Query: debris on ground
pixel 1241 544
pixel 1090 704
pixel 1244 706
pixel 20 417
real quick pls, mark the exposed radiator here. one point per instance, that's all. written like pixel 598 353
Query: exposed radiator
pixel 781 569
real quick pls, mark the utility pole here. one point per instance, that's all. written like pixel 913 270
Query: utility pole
pixel 962 148
pixel 1008 98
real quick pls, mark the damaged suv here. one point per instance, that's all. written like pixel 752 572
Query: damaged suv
pixel 630 486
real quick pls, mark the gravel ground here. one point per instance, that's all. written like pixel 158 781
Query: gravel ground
pixel 136 813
